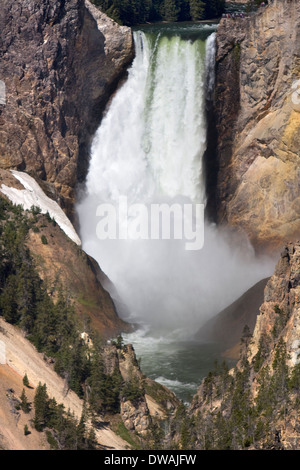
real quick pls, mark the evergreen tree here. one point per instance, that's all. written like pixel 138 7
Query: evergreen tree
pixel 214 8
pixel 25 405
pixel 81 434
pixel 170 10
pixel 25 380
pixel 184 13
pixel 294 383
pixel 41 407
pixel 8 303
pixel 280 378
pixel 197 9
pixel 132 12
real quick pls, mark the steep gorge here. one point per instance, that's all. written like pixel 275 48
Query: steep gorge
pixel 57 89
pixel 256 404
pixel 256 174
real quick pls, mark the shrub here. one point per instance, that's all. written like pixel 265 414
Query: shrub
pixel 44 240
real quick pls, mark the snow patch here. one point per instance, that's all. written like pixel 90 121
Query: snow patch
pixel 33 195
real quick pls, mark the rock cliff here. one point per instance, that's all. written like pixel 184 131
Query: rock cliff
pixel 258 123
pixel 257 402
pixel 279 315
pixel 226 328
pixel 61 61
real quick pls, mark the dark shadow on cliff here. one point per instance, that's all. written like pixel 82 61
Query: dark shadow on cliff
pixel 226 328
pixel 92 64
pixel 222 109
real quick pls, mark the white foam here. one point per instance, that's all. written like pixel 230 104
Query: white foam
pixel 172 384
pixel 149 148
pixel 33 195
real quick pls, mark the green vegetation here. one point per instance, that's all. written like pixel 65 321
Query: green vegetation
pixel 26 430
pixel 133 390
pixel 231 417
pixel 63 430
pixel 105 388
pixel 132 12
pixel 123 432
pixel 25 381
pixel 44 240
pixel 237 53
pixel 25 406
pixel 51 323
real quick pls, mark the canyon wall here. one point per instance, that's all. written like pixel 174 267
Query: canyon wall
pixel 257 402
pixel 60 62
pixel 279 314
pixel 256 174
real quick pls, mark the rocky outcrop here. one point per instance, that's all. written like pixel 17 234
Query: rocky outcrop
pixel 61 61
pixel 280 312
pixel 135 415
pixel 261 394
pixel 146 401
pixel 258 124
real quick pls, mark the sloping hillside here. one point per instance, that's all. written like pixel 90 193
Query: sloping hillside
pixel 12 422
pixel 59 259
pixel 22 358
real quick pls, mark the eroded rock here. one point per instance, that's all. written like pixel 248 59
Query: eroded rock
pixel 61 61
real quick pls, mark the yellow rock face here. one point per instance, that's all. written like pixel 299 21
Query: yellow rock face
pixel 267 202
pixel 259 144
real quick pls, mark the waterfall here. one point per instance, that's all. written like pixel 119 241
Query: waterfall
pixel 149 148
pixel 155 119
pixel 210 60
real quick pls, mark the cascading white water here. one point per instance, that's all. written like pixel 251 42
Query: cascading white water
pixel 155 120
pixel 150 147
pixel 210 60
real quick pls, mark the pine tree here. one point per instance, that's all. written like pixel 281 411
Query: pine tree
pixel 8 304
pixel 280 378
pixel 214 8
pixel 294 382
pixel 92 442
pixel 197 9
pixel 25 405
pixel 81 431
pixel 171 10
pixel 41 407
pixel 26 381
